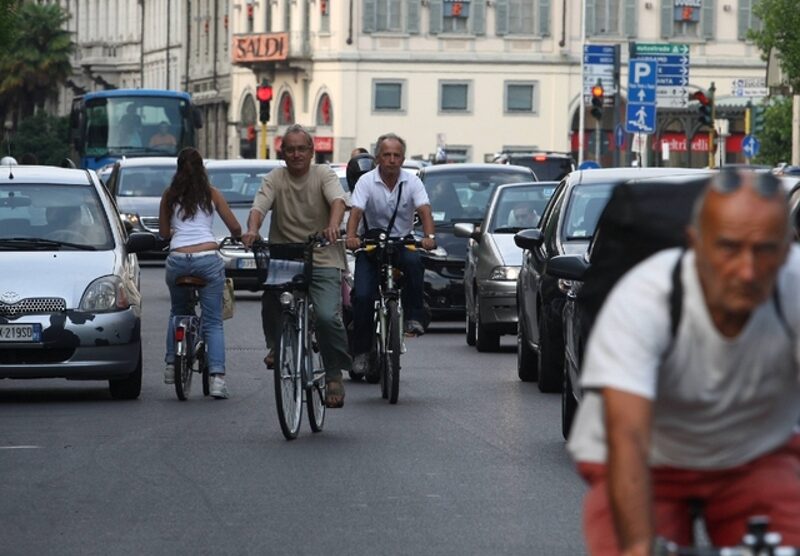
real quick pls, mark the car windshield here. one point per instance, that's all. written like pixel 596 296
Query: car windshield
pixel 144 182
pixel 37 216
pixel 518 208
pixel 546 168
pixel 238 185
pixel 464 195
pixel 584 209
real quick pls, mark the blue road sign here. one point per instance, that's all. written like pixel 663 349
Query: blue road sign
pixel 640 118
pixel 619 136
pixel 598 49
pixel 588 165
pixel 751 146
pixel 672 73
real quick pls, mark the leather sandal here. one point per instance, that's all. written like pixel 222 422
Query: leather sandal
pixel 334 394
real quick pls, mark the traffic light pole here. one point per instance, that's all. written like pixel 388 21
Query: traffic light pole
pixel 747 125
pixel 264 150
pixel 712 151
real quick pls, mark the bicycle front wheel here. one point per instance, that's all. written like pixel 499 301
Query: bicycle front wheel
pixel 315 394
pixel 288 382
pixel 183 377
pixel 394 344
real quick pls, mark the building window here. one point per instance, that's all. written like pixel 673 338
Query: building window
pixel 520 17
pixel 690 19
pixel 325 16
pixel 387 96
pixel 324 111
pixel 519 98
pixel 388 15
pixel 607 17
pixel 747 19
pixel 456 16
pixel 453 97
pixel 523 17
pixel 286 109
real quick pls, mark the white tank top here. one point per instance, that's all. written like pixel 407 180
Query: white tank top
pixel 193 231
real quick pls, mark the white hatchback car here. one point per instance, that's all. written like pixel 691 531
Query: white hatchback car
pixel 70 305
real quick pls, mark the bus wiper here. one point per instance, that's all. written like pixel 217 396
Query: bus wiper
pixel 23 243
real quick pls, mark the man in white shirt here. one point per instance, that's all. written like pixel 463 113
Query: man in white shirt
pixel 379 194
pixel 710 414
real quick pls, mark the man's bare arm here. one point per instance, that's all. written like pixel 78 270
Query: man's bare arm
pixel 628 419
pixel 352 228
pixel 338 207
pixel 254 221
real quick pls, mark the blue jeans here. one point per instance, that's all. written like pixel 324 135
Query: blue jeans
pixel 211 268
pixel 365 291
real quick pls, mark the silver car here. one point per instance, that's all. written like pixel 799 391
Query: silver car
pixel 239 180
pixel 493 260
pixel 71 307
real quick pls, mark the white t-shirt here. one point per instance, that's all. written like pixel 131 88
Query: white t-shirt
pixel 373 197
pixel 718 402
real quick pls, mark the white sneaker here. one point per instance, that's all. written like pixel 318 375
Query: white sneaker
pixel 218 389
pixel 361 363
pixel 169 374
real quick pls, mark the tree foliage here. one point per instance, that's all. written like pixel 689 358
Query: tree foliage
pixel 776 138
pixel 42 135
pixel 36 62
pixel 8 20
pixel 781 21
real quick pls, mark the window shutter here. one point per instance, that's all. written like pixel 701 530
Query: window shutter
pixel 744 19
pixel 667 13
pixel 368 15
pixel 412 21
pixel 707 17
pixel 544 18
pixel 436 16
pixel 501 17
pixel 630 18
pixel 477 16
pixel 591 6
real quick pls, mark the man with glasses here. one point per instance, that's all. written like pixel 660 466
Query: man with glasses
pixel 705 414
pixel 306 199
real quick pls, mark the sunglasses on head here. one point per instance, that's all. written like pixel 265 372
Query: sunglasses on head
pixel 730 180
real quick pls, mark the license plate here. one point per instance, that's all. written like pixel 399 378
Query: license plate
pixel 20 332
pixel 246 263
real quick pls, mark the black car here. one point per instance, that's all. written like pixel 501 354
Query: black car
pixel 458 193
pixel 566 227
pixel 671 200
pixel 548 166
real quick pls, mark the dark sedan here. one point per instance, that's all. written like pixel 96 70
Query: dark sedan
pixel 458 193
pixel 566 227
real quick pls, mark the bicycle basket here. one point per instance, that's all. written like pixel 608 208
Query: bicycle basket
pixel 283 266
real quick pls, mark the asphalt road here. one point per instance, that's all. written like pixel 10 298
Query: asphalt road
pixel 470 461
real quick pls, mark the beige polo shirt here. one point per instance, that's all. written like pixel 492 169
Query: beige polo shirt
pixel 301 206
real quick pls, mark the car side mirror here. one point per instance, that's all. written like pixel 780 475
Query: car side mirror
pixel 567 267
pixel 464 229
pixel 141 241
pixel 529 239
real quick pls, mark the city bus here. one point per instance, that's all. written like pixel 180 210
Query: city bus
pixel 106 126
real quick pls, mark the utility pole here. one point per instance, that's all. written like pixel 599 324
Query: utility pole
pixel 796 129
pixel 712 132
pixel 581 107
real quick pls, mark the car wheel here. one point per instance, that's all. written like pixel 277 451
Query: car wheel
pixel 550 361
pixel 527 362
pixel 470 330
pixel 569 405
pixel 130 387
pixel 486 339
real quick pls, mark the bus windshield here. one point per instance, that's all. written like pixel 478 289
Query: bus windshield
pixel 137 126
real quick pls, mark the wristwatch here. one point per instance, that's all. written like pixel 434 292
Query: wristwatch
pixel 430 236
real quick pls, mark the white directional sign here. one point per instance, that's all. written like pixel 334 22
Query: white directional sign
pixel 750 87
pixel 598 65
pixel 640 115
pixel 673 72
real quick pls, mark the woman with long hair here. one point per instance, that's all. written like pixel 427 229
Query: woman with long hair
pixel 185 218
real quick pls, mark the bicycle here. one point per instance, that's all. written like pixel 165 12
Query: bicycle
pixel 286 269
pixel 190 347
pixel 758 541
pixel 389 339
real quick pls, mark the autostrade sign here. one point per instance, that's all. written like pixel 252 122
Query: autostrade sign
pixel 660 48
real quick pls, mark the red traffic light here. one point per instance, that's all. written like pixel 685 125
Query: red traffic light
pixel 701 97
pixel 597 91
pixel 264 93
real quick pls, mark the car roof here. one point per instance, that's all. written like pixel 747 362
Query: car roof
pixel 528 183
pixel 244 163
pixel 44 174
pixel 472 167
pixel 148 161
pixel 606 175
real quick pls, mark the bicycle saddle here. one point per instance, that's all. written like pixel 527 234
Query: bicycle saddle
pixel 190 281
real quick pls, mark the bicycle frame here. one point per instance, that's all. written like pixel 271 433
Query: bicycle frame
pixel 387 290
pixel 300 310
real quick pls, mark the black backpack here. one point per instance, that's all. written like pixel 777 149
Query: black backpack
pixel 640 219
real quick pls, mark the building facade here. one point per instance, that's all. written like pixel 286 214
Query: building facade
pixel 473 76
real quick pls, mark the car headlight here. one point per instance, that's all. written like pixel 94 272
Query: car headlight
pixel 504 273
pixel 105 294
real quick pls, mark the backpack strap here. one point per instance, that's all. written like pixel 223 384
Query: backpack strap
pixel 676 298
pixel 394 214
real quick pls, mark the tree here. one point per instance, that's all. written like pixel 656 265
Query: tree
pixel 776 139
pixel 781 20
pixel 42 135
pixel 36 63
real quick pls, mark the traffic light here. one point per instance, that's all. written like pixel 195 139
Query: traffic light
pixel 705 108
pixel 264 95
pixel 597 101
pixel 757 122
